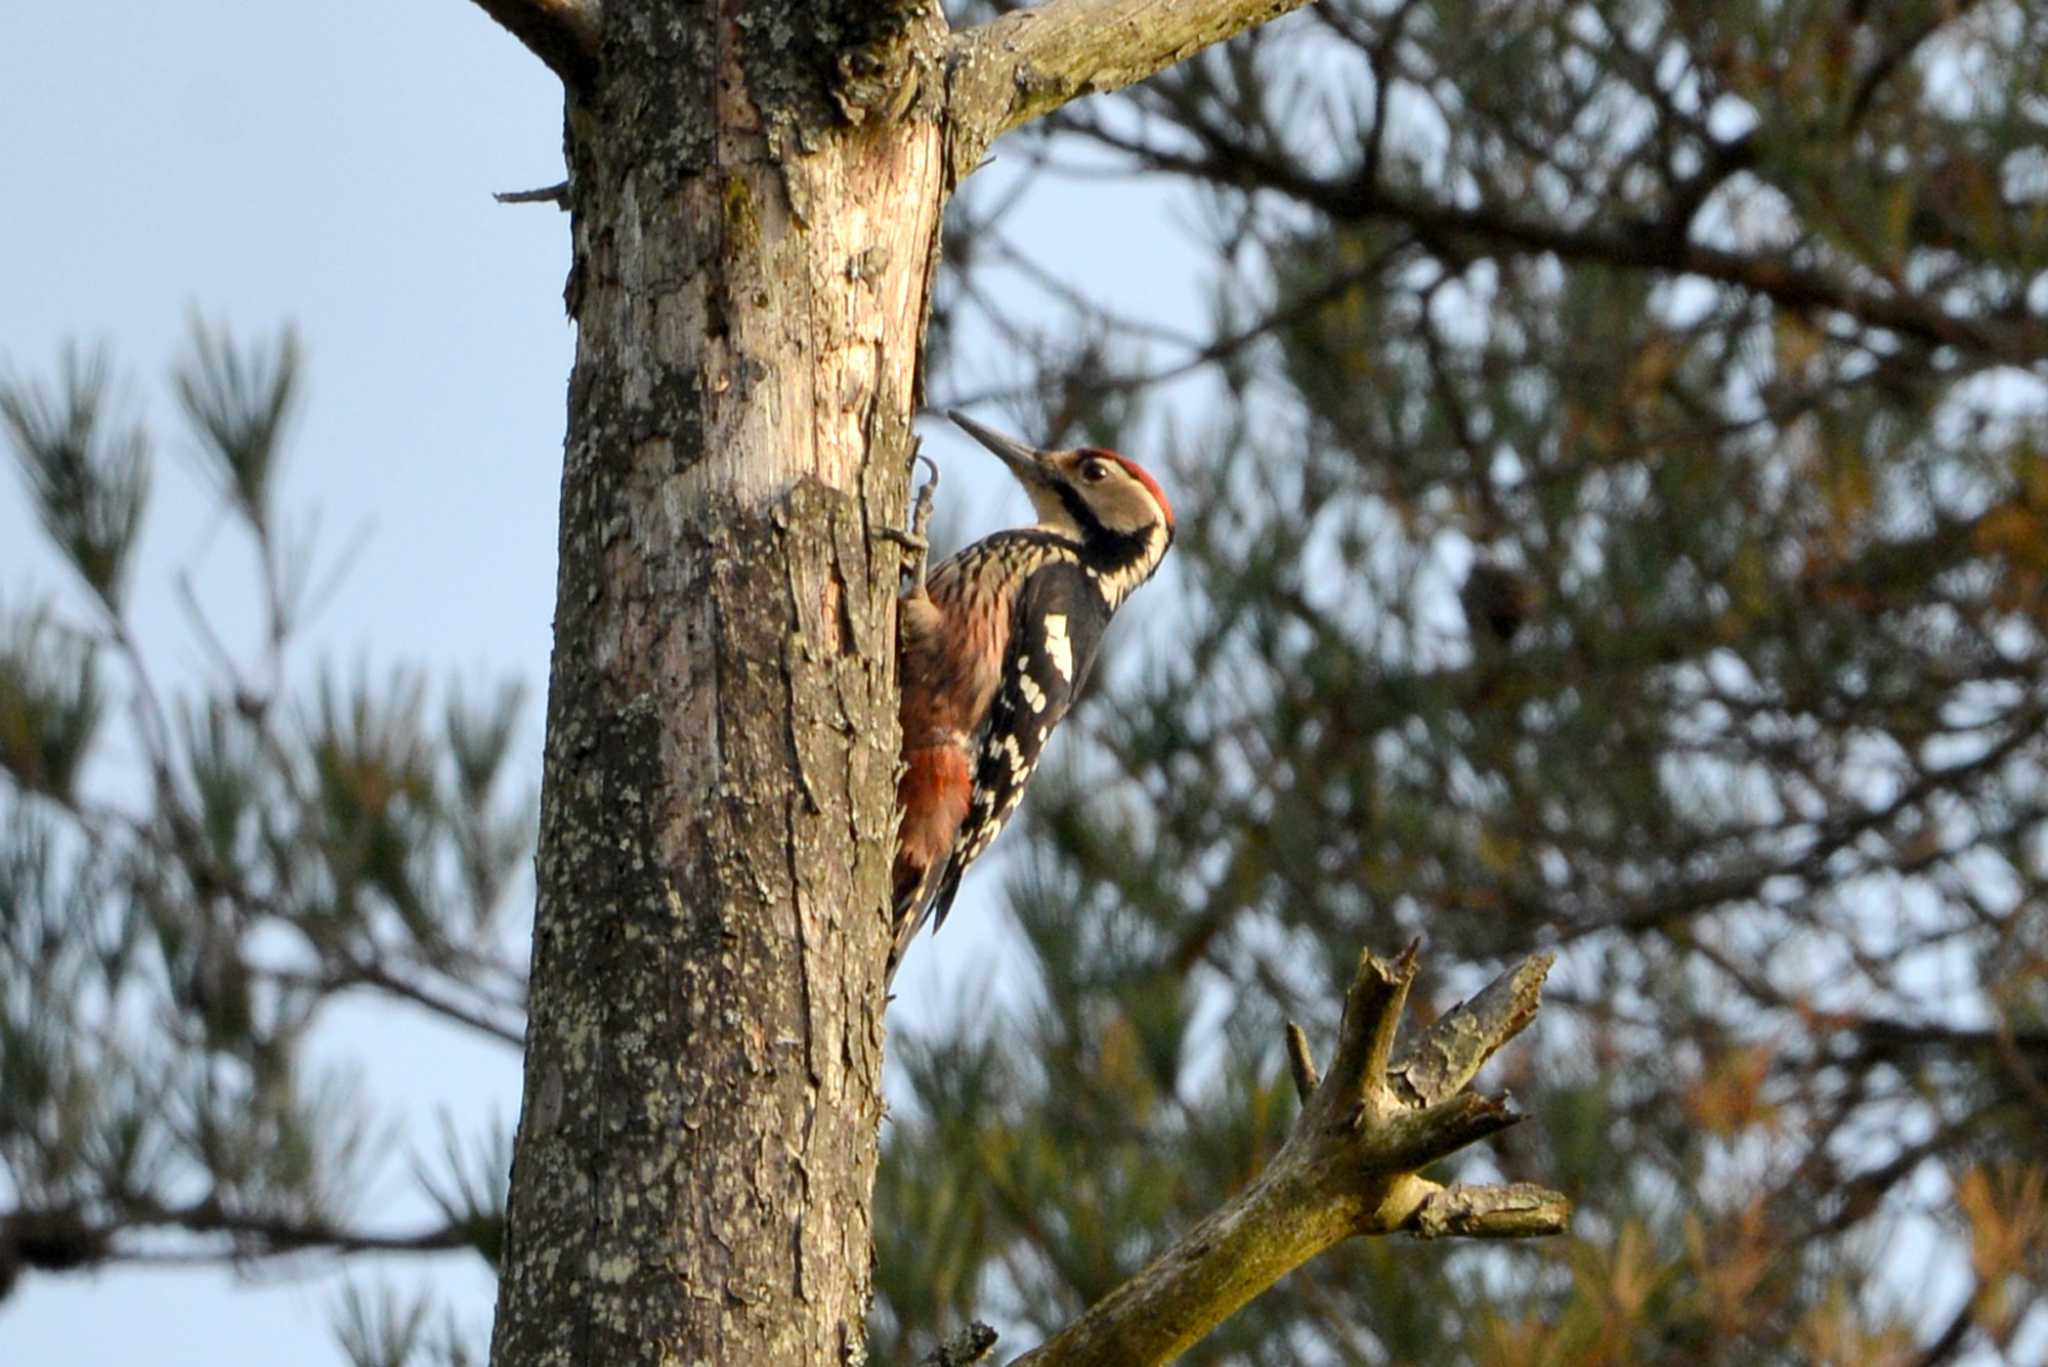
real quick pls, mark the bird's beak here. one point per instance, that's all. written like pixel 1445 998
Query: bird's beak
pixel 1025 462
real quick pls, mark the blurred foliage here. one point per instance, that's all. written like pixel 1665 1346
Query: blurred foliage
pixel 1613 499
pixel 191 877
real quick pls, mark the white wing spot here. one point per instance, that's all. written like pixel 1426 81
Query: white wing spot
pixel 1057 646
pixel 1034 696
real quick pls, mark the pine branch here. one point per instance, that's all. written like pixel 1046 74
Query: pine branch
pixel 1350 1167
pixel 1660 244
pixel 1029 62
pixel 66 1239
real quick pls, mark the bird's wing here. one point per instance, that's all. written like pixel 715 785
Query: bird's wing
pixel 1056 629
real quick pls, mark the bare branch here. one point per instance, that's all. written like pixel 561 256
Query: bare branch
pixel 1011 70
pixel 374 971
pixel 562 33
pixel 1450 1052
pixel 1515 1211
pixel 556 194
pixel 1372 1012
pixel 1301 1061
pixel 1349 1168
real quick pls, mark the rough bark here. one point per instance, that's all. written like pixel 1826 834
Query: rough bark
pixel 755 195
pixel 698 1135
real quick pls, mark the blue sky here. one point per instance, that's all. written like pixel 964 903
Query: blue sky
pixel 333 167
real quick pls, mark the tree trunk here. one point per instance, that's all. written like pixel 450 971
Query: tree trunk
pixel 755 189
pixel 698 1136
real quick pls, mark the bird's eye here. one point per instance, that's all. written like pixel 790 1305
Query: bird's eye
pixel 1095 471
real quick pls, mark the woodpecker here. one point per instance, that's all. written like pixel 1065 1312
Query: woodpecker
pixel 993 647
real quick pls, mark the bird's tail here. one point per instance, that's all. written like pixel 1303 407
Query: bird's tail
pixel 932 797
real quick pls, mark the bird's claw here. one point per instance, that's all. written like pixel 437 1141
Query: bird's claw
pixel 913 539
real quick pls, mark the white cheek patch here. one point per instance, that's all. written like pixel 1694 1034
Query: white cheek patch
pixel 1057 647
pixel 1120 584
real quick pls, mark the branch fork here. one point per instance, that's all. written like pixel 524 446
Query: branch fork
pixel 1352 1166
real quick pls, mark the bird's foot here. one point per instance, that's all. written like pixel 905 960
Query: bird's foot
pixel 913 539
